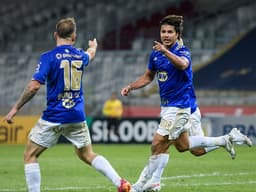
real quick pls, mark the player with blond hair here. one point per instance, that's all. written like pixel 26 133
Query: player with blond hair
pixel 62 69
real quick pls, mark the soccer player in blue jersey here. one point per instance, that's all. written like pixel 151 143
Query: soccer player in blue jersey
pixel 62 69
pixel 170 62
pixel 194 129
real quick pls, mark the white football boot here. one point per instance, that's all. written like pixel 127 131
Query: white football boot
pixel 239 138
pixel 229 146
pixel 137 187
pixel 151 187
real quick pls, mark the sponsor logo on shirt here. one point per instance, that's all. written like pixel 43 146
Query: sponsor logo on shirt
pixel 67 55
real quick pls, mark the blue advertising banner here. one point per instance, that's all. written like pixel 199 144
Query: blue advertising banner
pixel 217 126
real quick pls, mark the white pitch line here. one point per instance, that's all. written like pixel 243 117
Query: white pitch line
pixel 210 184
pixel 164 184
pixel 57 188
pixel 204 175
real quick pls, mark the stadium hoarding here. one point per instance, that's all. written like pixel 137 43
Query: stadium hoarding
pixel 141 130
pixel 216 126
pixel 131 130
pixel 17 132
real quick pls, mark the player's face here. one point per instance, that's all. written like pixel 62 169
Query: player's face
pixel 168 35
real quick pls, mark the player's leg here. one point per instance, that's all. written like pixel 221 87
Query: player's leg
pixel 162 140
pixel 195 129
pixel 154 184
pixel 172 127
pixel 185 142
pixel 234 136
pixel 159 158
pixel 40 138
pixel 210 143
pixel 31 166
pixel 79 135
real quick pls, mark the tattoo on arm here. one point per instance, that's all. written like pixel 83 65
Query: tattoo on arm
pixel 26 96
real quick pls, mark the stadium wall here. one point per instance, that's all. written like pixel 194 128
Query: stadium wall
pixel 132 130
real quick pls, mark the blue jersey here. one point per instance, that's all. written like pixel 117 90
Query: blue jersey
pixel 174 84
pixel 62 70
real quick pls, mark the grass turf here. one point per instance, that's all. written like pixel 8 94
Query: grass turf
pixel 61 170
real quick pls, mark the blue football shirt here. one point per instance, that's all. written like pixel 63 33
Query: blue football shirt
pixel 174 84
pixel 62 70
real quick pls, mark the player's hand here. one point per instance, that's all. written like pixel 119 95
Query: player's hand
pixel 92 48
pixel 125 91
pixel 93 44
pixel 159 47
pixel 9 117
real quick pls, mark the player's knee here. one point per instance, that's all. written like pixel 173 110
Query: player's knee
pixel 28 157
pixel 181 149
pixel 154 148
pixel 157 148
pixel 197 152
pixel 86 156
pixel 182 145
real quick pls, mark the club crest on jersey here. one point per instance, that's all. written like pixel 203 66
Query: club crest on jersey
pixel 162 76
pixel 68 103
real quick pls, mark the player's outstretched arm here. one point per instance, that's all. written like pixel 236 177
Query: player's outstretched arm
pixel 28 93
pixel 92 48
pixel 142 81
pixel 179 62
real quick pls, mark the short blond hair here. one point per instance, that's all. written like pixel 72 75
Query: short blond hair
pixel 66 27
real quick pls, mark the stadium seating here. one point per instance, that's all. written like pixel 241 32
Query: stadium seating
pixel 234 70
pixel 27 31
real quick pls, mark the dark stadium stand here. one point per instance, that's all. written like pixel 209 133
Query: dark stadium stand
pixel 235 69
pixel 146 26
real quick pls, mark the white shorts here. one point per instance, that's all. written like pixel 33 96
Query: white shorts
pixel 47 133
pixel 173 121
pixel 194 124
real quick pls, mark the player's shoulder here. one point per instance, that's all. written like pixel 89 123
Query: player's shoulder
pixel 79 49
pixel 48 52
pixel 51 52
pixel 46 55
pixel 183 50
pixel 155 53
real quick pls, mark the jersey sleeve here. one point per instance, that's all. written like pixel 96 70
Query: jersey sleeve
pixel 85 57
pixel 42 70
pixel 184 52
pixel 151 65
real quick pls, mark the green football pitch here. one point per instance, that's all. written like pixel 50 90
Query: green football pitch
pixel 61 170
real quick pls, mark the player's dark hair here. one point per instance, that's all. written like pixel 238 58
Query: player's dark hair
pixel 174 20
pixel 66 27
